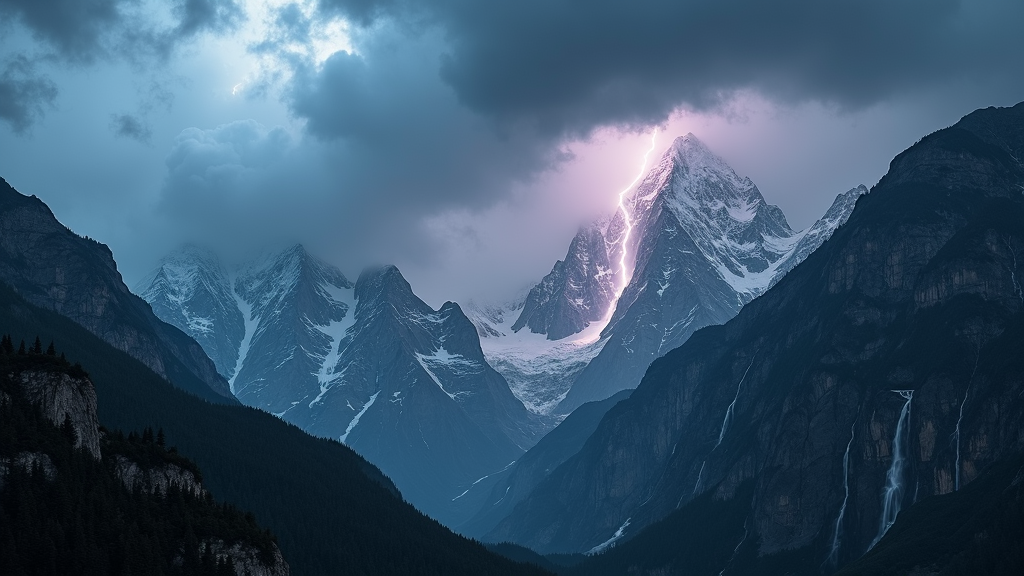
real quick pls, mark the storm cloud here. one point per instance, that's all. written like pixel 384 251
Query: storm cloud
pixel 80 31
pixel 568 65
pixel 385 144
pixel 25 94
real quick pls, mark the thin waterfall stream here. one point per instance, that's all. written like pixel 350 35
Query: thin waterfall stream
pixel 892 498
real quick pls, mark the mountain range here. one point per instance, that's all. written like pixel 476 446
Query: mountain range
pixel 445 406
pixel 329 510
pixel 701 243
pixel 880 372
pixel 366 363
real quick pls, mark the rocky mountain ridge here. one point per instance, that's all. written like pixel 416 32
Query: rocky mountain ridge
pixel 702 243
pixel 51 266
pixel 369 364
pixel 880 371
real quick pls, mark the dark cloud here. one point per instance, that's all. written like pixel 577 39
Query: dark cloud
pixel 81 31
pixel 568 65
pixel 386 143
pixel 400 134
pixel 24 93
pixel 197 16
pixel 74 28
pixel 452 105
pixel 129 126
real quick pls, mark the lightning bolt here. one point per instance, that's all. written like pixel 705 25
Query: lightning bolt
pixel 626 216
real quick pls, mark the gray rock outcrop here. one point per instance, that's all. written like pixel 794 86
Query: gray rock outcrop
pixel 61 395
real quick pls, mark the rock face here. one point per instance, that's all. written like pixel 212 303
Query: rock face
pixel 578 290
pixel 63 395
pixel 156 479
pixel 704 243
pixel 248 560
pixel 52 267
pixel 60 395
pixel 514 484
pixel 884 369
pixel 368 364
pixel 27 461
pixel 191 290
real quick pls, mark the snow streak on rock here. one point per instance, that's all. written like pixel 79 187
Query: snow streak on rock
pixel 611 541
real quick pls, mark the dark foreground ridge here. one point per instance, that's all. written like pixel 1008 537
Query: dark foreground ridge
pixel 331 511
pixel 78 500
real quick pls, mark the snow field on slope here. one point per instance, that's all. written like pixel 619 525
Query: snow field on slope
pixel 539 371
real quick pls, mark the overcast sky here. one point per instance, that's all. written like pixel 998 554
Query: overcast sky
pixel 464 141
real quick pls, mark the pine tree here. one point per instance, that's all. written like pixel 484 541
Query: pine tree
pixel 50 350
pixel 68 429
pixel 21 348
pixel 37 347
pixel 160 440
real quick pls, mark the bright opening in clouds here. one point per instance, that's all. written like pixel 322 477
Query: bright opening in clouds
pixel 463 141
pixel 284 35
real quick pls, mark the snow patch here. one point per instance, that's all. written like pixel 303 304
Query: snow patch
pixel 336 330
pixel 355 420
pixel 442 359
pixel 482 478
pixel 611 541
pixel 538 371
pixel 251 323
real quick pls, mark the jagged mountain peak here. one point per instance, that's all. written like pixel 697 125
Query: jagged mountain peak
pixel 299 259
pixel 383 282
pixel 183 271
pixel 190 289
pixel 690 147
pixel 689 155
pixel 832 354
pixel 286 271
pixel 578 291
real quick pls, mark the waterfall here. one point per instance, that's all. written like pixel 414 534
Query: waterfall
pixel 959 418
pixel 725 425
pixel 732 406
pixel 833 555
pixel 892 498
pixel 696 487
